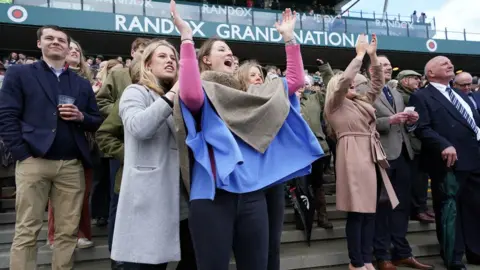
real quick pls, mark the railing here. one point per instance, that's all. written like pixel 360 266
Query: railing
pixel 386 16
pixel 257 17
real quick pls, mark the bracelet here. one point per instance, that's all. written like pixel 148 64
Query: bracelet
pixel 291 42
pixel 187 39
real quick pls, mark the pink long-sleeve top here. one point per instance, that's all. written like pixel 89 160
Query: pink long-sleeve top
pixel 191 91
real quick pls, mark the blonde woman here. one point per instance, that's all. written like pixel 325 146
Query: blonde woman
pixel 105 70
pixel 361 162
pixel 151 204
pixel 76 61
pixel 249 73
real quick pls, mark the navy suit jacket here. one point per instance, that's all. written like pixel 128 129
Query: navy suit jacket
pixel 441 125
pixel 29 114
pixel 476 97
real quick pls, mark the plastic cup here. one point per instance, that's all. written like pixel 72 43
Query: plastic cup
pixel 63 99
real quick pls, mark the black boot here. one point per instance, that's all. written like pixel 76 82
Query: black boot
pixel 321 207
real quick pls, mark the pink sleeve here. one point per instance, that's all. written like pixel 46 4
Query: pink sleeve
pixel 191 92
pixel 295 74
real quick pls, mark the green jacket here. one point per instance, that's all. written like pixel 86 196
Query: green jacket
pixel 112 89
pixel 414 141
pixel 110 140
pixel 312 108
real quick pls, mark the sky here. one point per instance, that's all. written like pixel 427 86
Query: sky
pixel 456 15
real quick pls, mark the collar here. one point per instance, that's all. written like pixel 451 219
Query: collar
pixel 63 69
pixel 439 86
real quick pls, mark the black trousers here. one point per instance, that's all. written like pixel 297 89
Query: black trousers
pixel 467 233
pixel 315 178
pixel 275 198
pixel 187 261
pixel 419 188
pixel 100 196
pixel 360 230
pixel 230 221
pixel 391 226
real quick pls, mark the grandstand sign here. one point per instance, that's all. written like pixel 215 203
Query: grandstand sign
pixel 394 24
pixel 158 27
pixel 165 26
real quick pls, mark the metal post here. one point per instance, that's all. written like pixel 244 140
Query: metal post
pixel 201 13
pixel 464 34
pixel 399 17
pixel 345 21
pixel 113 5
pixel 428 32
pixel 323 23
pixel 81 4
pixel 374 15
pixel 366 27
pixel 253 15
pixel 361 14
pixel 446 33
pixel 408 31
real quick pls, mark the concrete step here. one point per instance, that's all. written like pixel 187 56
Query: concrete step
pixel 7 232
pixel 291 235
pixel 9 217
pixel 295 255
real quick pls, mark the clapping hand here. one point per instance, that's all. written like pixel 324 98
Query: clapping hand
pixel 372 48
pixel 288 24
pixel 182 26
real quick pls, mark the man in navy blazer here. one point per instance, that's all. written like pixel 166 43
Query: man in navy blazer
pixel 449 130
pixel 463 82
pixel 45 110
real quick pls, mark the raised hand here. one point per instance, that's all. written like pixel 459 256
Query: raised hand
pixel 362 45
pixel 182 26
pixel 372 48
pixel 288 24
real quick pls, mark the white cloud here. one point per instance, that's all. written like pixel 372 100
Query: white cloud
pixel 457 15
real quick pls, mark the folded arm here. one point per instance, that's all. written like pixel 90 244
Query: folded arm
pixel 295 74
pixel 139 119
pixel 11 108
pixel 191 91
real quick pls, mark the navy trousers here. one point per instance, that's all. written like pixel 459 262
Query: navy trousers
pixel 230 221
pixel 391 226
pixel 360 230
pixel 275 197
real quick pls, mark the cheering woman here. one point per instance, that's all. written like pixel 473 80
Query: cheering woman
pixel 238 140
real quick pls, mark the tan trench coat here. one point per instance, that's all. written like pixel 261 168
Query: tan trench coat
pixel 358 145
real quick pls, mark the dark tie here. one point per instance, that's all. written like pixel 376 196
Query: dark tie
pixel 461 109
pixel 472 99
pixel 388 95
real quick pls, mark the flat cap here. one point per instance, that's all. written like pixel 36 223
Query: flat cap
pixel 407 73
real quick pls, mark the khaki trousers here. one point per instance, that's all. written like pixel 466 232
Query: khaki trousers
pixel 37 180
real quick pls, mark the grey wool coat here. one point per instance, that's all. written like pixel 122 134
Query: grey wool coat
pixel 148 213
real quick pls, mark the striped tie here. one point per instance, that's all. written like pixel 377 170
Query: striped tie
pixel 462 110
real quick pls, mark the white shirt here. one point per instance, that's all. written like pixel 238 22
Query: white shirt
pixel 443 90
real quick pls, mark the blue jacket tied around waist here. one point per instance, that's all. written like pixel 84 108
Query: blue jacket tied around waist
pixel 240 168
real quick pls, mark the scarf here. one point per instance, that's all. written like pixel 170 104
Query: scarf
pixel 255 115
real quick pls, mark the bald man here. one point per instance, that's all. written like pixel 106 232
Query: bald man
pixel 464 82
pixel 449 131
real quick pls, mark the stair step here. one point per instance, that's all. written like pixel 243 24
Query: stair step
pixel 293 255
pixel 7 232
pixel 291 235
pixel 9 217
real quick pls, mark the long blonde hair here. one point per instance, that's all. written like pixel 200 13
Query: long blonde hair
pixel 332 87
pixel 83 68
pixel 243 72
pixel 146 77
